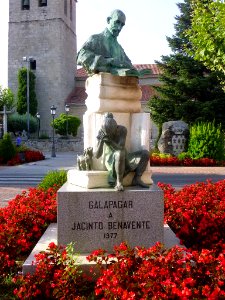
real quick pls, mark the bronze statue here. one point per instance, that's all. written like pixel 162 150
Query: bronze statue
pixel 117 161
pixel 102 52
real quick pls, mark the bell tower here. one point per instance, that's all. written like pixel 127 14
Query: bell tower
pixel 45 31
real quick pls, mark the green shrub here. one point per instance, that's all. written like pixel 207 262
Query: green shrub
pixel 22 92
pixel 18 122
pixel 7 149
pixel 206 141
pixel 161 155
pixel 54 178
pixel 60 124
pixel 183 155
pixel 22 148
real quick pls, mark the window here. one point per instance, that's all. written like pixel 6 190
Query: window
pixel 65 7
pixel 42 3
pixel 71 10
pixel 25 4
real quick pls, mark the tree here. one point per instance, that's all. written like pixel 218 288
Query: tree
pixel 18 123
pixel 6 98
pixel 189 91
pixel 60 124
pixel 22 93
pixel 207 33
pixel 7 149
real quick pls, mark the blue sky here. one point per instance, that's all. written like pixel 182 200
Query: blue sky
pixel 143 37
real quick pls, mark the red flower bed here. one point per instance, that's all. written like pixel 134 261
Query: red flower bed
pixel 196 214
pixel 56 277
pixel 28 156
pixel 156 160
pixel 31 155
pixel 22 223
pixel 158 273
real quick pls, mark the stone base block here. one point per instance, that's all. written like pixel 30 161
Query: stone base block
pixel 50 235
pixel 110 93
pixel 102 218
pixel 99 179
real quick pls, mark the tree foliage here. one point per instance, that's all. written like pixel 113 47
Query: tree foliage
pixel 7 149
pixel 206 140
pixel 22 92
pixel 18 123
pixel 190 92
pixel 60 124
pixel 207 33
pixel 6 98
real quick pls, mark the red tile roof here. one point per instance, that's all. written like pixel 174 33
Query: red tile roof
pixel 153 67
pixel 77 96
pixel 147 92
pixel 81 73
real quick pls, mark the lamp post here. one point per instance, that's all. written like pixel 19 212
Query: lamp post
pixel 28 60
pixel 38 116
pixel 53 111
pixel 67 109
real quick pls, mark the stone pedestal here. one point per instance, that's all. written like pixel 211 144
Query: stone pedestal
pixel 109 93
pixel 103 218
pixel 98 179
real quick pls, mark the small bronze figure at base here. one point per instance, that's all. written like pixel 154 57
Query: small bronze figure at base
pixel 118 161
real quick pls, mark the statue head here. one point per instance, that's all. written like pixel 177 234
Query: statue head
pixel 116 21
pixel 109 125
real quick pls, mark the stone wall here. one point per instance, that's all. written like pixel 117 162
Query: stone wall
pixel 61 145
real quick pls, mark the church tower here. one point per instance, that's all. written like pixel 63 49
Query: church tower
pixel 46 31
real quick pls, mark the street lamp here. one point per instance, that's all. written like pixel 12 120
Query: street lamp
pixel 53 111
pixel 28 60
pixel 38 116
pixel 67 109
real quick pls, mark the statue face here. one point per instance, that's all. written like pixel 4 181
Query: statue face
pixel 116 23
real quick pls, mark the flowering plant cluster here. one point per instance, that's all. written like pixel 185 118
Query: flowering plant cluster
pixel 33 155
pixel 197 214
pixel 56 277
pixel 22 223
pixel 169 160
pixel 159 273
pixel 28 156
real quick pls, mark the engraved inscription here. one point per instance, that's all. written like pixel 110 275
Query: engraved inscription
pixel 87 226
pixel 129 225
pixel 110 204
pixel 110 227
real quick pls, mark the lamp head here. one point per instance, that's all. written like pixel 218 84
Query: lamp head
pixel 53 110
pixel 67 108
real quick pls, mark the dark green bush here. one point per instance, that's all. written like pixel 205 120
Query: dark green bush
pixel 22 92
pixel 7 149
pixel 60 124
pixel 18 122
pixel 54 178
pixel 206 141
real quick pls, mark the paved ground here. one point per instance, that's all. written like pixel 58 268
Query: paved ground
pixel 65 160
pixel 177 176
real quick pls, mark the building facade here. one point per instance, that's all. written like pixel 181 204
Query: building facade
pixel 46 31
